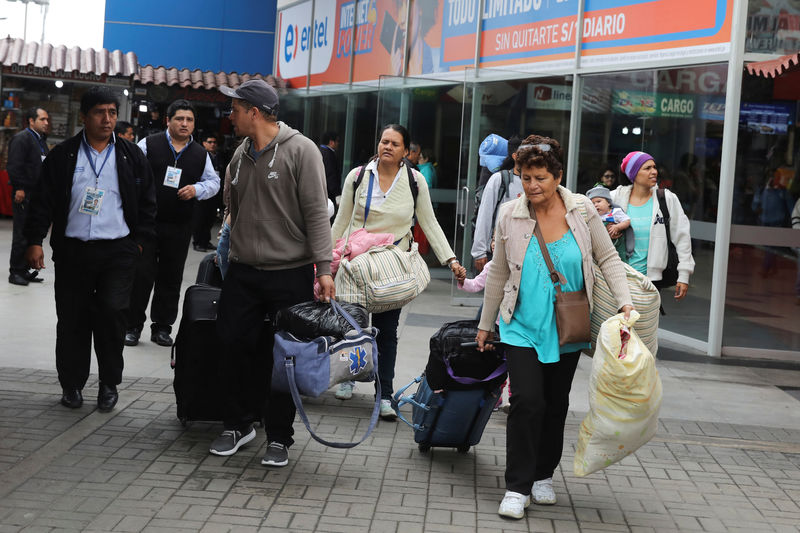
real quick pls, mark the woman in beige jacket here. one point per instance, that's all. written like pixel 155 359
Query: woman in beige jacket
pixel 520 288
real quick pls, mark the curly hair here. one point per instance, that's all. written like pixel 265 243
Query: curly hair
pixel 541 152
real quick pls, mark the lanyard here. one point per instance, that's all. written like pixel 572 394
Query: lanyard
pixel 38 139
pixel 369 200
pixel 177 155
pixel 92 162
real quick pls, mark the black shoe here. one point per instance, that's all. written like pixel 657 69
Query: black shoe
pixel 132 336
pixel 199 247
pixel 17 279
pixel 161 338
pixel 32 277
pixel 107 397
pixel 71 398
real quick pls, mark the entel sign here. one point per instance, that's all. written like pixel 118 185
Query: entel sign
pixel 298 36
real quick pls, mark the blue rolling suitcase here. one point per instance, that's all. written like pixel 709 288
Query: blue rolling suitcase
pixel 457 392
pixel 448 418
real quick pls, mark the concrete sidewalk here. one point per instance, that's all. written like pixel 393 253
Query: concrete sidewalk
pixel 726 456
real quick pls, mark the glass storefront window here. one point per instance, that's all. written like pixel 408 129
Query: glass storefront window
pixel 773 26
pixel 762 290
pixel 676 116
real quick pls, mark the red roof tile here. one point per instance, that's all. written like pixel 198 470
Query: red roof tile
pixel 86 61
pixel 199 79
pixel 91 61
pixel 774 67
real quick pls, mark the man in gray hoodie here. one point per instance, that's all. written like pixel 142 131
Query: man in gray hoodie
pixel 279 230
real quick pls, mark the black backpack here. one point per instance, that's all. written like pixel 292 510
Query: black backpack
pixel 505 181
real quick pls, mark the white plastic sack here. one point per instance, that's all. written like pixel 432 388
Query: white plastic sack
pixel 624 398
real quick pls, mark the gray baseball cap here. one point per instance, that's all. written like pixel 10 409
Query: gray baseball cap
pixel 257 92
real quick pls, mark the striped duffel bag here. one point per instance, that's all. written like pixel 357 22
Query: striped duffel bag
pixel 645 297
pixel 383 278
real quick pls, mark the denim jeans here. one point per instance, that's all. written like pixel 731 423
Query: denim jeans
pixel 223 247
pixel 387 348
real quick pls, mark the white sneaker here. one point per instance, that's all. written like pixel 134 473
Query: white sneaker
pixel 387 413
pixel 514 505
pixel 345 391
pixel 543 493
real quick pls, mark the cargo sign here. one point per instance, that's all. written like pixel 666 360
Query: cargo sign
pixel 652 104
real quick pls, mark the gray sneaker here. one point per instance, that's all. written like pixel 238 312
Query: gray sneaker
pixel 277 455
pixel 230 441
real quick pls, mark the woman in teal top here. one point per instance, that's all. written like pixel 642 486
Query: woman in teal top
pixel 640 200
pixel 522 291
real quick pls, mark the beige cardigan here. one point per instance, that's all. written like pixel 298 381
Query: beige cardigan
pixel 395 215
pixel 513 233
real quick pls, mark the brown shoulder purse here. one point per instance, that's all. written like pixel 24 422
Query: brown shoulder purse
pixel 573 321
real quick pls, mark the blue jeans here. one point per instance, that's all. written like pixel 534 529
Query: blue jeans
pixel 387 348
pixel 223 248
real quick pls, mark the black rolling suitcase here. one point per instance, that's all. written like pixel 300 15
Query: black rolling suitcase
pixel 195 357
pixel 457 392
pixel 208 273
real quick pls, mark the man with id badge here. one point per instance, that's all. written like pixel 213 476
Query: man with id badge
pixel 26 152
pixel 183 174
pixel 97 192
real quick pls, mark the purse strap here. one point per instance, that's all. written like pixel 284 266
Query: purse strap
pixel 298 402
pixel 555 276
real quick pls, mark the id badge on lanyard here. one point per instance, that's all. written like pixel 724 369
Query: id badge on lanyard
pixel 172 178
pixel 92 201
pixel 93 196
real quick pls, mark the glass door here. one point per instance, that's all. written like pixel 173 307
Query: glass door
pixel 509 104
pixel 427 108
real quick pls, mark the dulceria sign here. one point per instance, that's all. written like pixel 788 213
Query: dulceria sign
pixel 46 72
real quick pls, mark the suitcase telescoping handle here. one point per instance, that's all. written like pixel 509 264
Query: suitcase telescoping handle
pixel 401 400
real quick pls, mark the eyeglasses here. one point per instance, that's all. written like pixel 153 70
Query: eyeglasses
pixel 608 175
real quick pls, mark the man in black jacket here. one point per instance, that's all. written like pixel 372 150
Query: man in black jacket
pixel 183 175
pixel 328 146
pixel 26 152
pixel 98 193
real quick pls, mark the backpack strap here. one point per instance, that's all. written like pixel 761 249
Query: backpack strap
pixel 358 181
pixel 412 184
pixel 505 182
pixel 662 204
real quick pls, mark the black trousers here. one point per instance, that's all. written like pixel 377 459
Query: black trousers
pixel 539 404
pixel 204 215
pixel 16 263
pixel 92 288
pixel 160 271
pixel 248 296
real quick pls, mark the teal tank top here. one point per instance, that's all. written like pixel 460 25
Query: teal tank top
pixel 641 220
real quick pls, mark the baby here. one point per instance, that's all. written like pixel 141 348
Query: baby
pixel 616 221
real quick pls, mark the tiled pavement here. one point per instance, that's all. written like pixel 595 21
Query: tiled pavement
pixel 138 469
pixel 726 456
